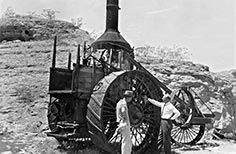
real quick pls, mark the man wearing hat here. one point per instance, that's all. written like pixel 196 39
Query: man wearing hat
pixel 168 113
pixel 122 117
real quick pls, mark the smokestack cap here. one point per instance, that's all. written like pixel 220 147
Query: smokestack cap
pixel 111 37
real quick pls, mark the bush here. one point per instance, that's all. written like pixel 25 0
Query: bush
pixel 77 22
pixel 9 13
pixel 24 94
pixel 49 14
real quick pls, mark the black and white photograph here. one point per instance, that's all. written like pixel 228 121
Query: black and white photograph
pixel 117 77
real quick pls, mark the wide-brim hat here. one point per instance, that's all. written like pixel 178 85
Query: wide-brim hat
pixel 128 93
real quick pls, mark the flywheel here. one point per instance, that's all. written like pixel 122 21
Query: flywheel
pixel 144 117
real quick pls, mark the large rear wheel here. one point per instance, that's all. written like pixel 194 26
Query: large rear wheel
pixel 144 118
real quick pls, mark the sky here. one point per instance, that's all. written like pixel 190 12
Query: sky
pixel 206 27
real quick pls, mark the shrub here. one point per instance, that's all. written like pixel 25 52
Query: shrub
pixel 9 13
pixel 24 93
pixel 49 14
pixel 77 22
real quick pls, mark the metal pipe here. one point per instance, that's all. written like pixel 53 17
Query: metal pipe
pixel 84 50
pixel 76 70
pixel 78 56
pixel 69 61
pixel 54 52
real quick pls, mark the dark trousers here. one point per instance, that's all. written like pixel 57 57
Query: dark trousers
pixel 166 126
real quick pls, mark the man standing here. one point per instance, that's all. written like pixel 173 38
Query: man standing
pixel 168 113
pixel 122 117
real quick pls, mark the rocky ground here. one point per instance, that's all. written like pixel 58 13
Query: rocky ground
pixel 23 100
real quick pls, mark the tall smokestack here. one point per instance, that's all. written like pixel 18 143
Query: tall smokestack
pixel 111 36
pixel 112 15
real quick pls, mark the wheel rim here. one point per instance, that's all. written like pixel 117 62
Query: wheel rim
pixel 183 131
pixel 187 135
pixel 144 118
pixel 187 112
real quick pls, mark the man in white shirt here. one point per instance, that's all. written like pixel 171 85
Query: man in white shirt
pixel 168 113
pixel 122 117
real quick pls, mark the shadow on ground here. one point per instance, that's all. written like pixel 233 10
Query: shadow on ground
pixel 199 146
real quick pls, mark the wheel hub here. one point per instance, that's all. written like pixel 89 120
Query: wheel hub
pixel 135 114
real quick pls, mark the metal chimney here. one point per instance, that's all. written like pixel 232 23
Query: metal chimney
pixel 111 34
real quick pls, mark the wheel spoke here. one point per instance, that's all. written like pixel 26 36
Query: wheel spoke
pixel 110 100
pixel 136 137
pixel 176 132
pixel 148 108
pixel 190 136
pixel 109 108
pixel 179 92
pixel 110 132
pixel 149 121
pixel 194 131
pixel 140 133
pixel 115 137
pixel 182 96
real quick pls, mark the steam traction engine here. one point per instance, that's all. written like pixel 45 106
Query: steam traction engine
pixel 83 99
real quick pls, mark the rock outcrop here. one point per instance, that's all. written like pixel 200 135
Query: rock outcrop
pixel 217 90
pixel 12 32
pixel 26 28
